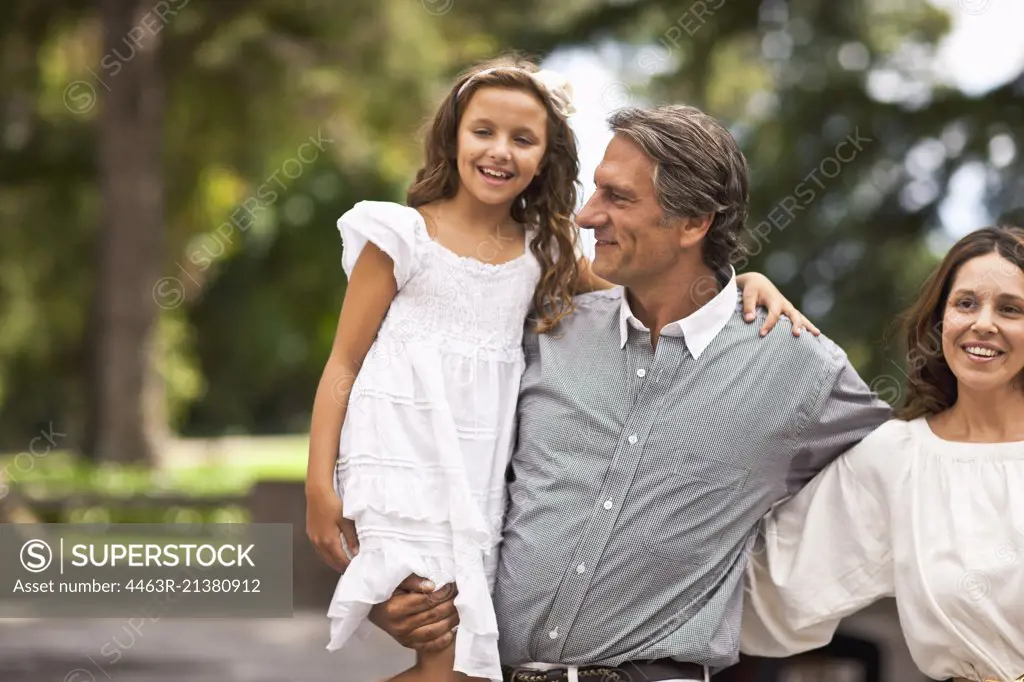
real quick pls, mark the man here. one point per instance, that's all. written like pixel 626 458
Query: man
pixel 655 430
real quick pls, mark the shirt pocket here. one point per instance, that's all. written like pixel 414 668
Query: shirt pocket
pixel 696 501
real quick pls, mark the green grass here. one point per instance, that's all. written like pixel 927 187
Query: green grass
pixel 235 468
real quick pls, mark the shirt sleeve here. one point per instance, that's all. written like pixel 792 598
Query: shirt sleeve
pixel 846 411
pixel 824 553
pixel 390 227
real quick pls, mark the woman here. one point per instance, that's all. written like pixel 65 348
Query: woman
pixel 928 509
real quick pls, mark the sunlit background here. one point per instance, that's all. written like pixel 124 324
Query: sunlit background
pixel 170 176
pixel 982 50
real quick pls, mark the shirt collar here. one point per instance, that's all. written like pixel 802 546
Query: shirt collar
pixel 697 329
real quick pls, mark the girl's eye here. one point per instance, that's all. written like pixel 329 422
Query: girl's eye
pixel 1011 310
pixel 525 141
pixel 482 132
pixel 965 303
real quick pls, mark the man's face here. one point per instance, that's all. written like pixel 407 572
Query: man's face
pixel 633 246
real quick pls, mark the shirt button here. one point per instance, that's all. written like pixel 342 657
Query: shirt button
pixel 553 634
pixel 632 439
pixel 607 504
pixel 581 569
pixel 641 373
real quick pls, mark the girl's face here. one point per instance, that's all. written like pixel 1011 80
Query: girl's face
pixel 983 325
pixel 501 143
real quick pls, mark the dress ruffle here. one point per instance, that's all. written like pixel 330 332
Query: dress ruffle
pixel 414 472
pixel 417 496
pixel 407 490
pixel 383 564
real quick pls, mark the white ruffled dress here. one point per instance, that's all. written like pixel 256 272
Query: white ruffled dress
pixel 430 427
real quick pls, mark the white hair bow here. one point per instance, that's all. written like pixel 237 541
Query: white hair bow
pixel 558 89
pixel 554 85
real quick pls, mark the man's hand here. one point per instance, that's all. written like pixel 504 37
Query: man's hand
pixel 325 525
pixel 417 617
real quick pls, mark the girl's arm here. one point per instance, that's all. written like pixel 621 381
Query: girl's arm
pixel 371 289
pixel 757 289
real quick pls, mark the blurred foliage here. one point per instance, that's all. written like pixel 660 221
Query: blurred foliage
pixel 248 83
pixel 62 474
pixel 64 488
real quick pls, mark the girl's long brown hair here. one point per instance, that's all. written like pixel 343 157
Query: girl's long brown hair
pixel 931 384
pixel 547 204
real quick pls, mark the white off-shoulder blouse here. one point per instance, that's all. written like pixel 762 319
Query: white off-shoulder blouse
pixel 939 525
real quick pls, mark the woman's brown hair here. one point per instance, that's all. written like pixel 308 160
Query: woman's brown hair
pixel 547 204
pixel 931 384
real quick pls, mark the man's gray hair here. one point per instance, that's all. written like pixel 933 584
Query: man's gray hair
pixel 698 169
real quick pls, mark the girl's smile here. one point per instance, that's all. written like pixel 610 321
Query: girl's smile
pixel 495 176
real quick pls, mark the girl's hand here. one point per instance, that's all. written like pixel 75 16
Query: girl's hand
pixel 759 290
pixel 325 526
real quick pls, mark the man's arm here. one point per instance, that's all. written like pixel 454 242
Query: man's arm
pixel 826 552
pixel 844 413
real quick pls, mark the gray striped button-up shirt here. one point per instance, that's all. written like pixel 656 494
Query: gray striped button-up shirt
pixel 640 477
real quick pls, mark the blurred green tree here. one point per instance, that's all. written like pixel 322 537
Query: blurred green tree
pixel 165 118
pixel 192 279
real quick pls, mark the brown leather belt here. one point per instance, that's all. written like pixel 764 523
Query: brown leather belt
pixel 630 671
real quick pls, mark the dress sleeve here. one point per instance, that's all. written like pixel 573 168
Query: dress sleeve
pixel 393 228
pixel 825 552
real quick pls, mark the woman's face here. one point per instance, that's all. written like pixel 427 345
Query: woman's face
pixel 983 324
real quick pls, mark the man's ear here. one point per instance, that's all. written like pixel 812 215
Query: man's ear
pixel 694 229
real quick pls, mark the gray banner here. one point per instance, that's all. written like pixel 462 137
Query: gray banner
pixel 145 570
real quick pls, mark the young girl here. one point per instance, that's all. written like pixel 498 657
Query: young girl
pixel 427 359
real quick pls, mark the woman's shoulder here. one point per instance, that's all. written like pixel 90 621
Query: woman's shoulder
pixel 892 433
pixel 885 453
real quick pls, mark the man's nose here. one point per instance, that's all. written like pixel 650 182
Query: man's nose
pixel 590 216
